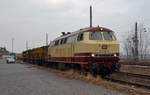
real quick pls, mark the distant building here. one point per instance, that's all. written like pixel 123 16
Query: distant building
pixel 3 51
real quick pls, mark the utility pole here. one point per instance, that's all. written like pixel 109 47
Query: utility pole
pixel 136 43
pixel 12 45
pixel 26 45
pixel 46 39
pixel 90 16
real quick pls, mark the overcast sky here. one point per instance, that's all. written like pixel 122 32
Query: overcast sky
pixel 32 19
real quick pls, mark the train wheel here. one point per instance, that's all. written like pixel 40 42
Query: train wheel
pixel 79 69
pixel 94 69
pixel 62 66
pixel 118 66
pixel 84 71
pixel 50 64
pixel 103 74
pixel 76 67
pixel 103 71
pixel 55 65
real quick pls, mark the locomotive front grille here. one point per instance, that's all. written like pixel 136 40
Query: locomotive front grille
pixel 103 55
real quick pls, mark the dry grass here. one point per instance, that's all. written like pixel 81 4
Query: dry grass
pixel 90 79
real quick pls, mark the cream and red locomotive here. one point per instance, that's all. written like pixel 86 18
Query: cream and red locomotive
pixel 93 49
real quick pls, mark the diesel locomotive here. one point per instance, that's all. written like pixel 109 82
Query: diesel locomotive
pixel 92 49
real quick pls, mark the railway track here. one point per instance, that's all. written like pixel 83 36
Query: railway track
pixel 136 75
pixel 134 63
pixel 136 80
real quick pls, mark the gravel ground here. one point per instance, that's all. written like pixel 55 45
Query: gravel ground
pixel 18 79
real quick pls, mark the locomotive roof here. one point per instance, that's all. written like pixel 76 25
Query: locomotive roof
pixel 91 29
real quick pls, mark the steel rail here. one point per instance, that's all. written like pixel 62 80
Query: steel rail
pixel 135 75
pixel 128 83
pixel 140 85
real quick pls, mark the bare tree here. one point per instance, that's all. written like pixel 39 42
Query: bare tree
pixel 128 46
pixel 141 39
pixel 143 42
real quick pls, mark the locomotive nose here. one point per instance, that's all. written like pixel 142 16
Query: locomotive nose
pixel 109 48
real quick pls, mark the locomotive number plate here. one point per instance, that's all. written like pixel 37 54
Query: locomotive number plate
pixel 104 46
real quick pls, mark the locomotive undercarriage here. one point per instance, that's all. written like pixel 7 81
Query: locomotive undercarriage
pixel 102 69
pixel 95 68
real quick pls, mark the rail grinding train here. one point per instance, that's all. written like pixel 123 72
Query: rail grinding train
pixel 92 49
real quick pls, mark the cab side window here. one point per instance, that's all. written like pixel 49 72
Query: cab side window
pixel 56 42
pixel 80 37
pixel 72 39
pixel 63 41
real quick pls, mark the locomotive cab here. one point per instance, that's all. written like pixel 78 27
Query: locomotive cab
pixel 98 44
pixel 100 48
pixel 105 44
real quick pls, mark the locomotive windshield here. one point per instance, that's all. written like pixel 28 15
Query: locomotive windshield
pixel 95 36
pixel 98 36
pixel 108 36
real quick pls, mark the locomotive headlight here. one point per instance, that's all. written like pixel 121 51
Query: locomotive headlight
pixel 115 55
pixel 92 55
